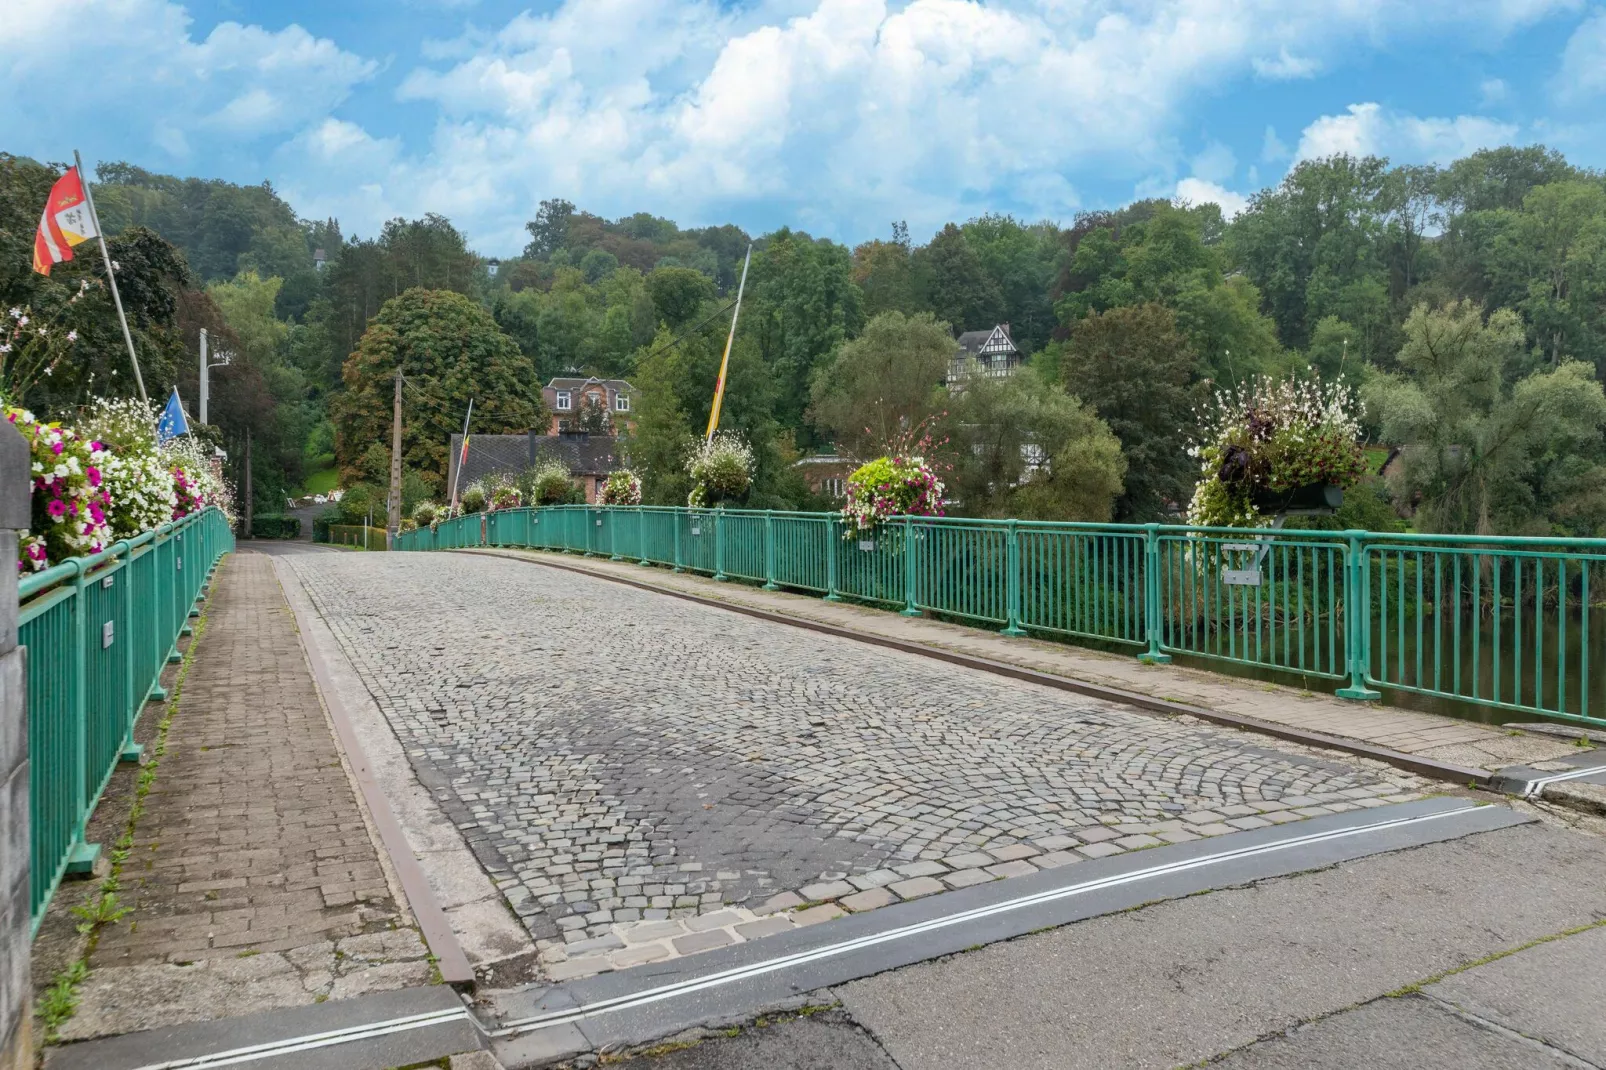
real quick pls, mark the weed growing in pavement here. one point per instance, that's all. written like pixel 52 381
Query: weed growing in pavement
pixel 60 1000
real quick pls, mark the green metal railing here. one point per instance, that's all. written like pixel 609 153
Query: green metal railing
pixel 1501 622
pixel 99 631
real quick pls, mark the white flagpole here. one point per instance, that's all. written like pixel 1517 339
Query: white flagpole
pixel 139 380
pixel 462 456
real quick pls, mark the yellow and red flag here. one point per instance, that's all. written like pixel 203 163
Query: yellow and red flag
pixel 66 221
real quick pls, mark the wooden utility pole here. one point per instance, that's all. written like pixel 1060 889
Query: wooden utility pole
pixel 248 482
pixel 393 517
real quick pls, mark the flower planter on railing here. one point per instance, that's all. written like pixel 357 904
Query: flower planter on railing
pixel 1323 498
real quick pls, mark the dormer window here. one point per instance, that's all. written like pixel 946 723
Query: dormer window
pixel 621 403
pixel 565 401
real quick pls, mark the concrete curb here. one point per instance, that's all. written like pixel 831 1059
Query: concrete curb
pixel 1444 771
pixel 433 924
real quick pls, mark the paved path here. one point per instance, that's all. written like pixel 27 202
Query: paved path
pixel 645 777
pixel 1427 735
pixel 1447 957
pixel 253 879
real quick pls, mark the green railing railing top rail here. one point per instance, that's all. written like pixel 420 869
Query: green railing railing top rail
pixel 99 632
pixel 38 582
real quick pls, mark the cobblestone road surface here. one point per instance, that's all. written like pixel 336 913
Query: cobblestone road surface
pixel 616 756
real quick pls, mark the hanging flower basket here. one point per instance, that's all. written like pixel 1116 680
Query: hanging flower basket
pixel 888 487
pixel 1272 448
pixel 721 469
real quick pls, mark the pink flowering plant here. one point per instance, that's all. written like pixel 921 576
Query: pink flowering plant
pixel 1273 436
pixel 69 503
pixel 504 495
pixel 888 487
pixel 622 488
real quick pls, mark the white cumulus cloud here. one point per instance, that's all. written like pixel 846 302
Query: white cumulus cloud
pixel 1196 190
pixel 1371 130
pixel 836 115
pixel 1286 67
pixel 137 60
pixel 1583 63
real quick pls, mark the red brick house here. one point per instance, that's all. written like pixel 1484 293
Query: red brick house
pixel 600 406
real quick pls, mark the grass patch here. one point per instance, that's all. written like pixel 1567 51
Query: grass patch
pixel 321 481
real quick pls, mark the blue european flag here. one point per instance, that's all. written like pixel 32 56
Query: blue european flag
pixel 171 423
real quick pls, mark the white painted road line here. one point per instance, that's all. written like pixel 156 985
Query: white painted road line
pixel 1536 786
pixel 351 1034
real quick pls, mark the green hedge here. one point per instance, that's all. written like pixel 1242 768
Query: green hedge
pixel 352 535
pixel 275 526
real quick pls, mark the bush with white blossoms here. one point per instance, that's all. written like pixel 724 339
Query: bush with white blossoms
pixel 69 504
pixel 1273 436
pixel 721 468
pixel 137 481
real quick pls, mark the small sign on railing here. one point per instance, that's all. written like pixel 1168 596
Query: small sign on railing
pixel 107 630
pixel 1241 577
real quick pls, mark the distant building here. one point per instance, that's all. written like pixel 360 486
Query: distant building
pixel 583 404
pixel 319 259
pixel 991 354
pixel 589 457
pixel 826 474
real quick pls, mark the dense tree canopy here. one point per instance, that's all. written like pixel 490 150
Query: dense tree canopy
pixel 450 350
pixel 1128 317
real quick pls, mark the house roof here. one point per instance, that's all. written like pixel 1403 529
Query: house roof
pixel 585 455
pixel 568 383
pixel 994 340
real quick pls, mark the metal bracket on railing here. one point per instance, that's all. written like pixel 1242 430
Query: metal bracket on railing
pixel 1250 575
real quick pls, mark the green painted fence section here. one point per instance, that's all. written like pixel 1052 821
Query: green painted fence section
pixel 99 631
pixel 1501 622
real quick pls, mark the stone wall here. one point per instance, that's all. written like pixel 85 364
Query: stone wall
pixel 16 1048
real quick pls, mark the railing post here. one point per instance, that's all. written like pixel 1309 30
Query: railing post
pixel 719 544
pixel 910 605
pixel 83 856
pixel 613 535
pixel 1152 608
pixel 678 567
pixel 176 593
pixel 591 524
pixel 831 541
pixel 124 579
pixel 1012 581
pixel 641 535
pixel 1357 620
pixel 769 551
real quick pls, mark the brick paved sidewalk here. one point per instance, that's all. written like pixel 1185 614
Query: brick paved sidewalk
pixel 253 878
pixel 1427 735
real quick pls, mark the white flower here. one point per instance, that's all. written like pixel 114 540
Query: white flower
pixel 72 335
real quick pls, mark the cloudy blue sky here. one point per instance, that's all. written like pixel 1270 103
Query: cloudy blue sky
pixel 836 116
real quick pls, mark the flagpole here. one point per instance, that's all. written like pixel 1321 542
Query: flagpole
pixel 719 386
pixel 139 380
pixel 457 473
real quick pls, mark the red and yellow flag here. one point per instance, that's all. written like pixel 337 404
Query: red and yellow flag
pixel 65 222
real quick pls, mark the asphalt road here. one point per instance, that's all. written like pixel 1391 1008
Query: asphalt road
pixel 1447 956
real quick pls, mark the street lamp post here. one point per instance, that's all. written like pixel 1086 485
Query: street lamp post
pixel 224 359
